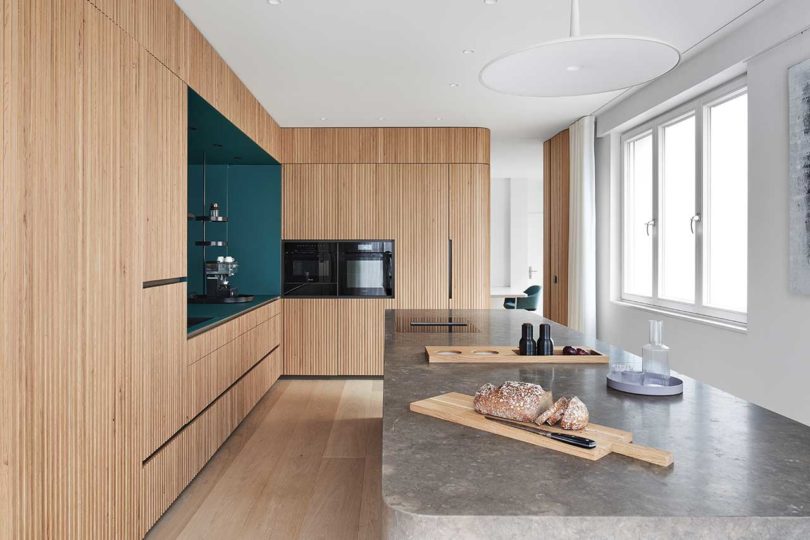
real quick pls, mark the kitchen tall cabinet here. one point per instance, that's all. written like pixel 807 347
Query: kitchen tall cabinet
pixel 436 213
pixel 469 233
pixel 413 206
pixel 556 188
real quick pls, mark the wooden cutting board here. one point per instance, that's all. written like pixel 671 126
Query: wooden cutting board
pixel 498 354
pixel 458 408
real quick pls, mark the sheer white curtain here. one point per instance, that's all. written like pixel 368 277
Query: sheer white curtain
pixel 582 228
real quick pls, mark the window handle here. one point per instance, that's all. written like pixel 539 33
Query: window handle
pixel 649 224
pixel 695 219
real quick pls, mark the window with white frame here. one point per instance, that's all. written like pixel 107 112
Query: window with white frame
pixel 685 208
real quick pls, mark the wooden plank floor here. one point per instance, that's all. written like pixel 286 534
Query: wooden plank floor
pixel 305 463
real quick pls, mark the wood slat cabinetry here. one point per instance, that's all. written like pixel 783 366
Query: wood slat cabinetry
pixel 219 357
pixel 413 210
pixel 163 30
pixel 555 221
pixel 101 491
pixel 171 469
pixel 333 336
pixel 361 336
pixel 386 145
pixel 162 163
pixel 357 200
pixel 311 336
pixel 163 363
pixel 310 202
pixel 469 231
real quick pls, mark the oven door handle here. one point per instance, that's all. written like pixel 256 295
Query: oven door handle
pixel 387 256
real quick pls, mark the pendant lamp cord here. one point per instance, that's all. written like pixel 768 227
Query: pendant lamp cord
pixel 574 18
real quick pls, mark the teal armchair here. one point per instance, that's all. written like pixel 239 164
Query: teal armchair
pixel 530 303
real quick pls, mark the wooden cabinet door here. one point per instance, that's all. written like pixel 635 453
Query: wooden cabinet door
pixel 311 336
pixel 361 336
pixel 555 245
pixel 356 200
pixel 162 169
pixel 469 233
pixel 163 357
pixel 413 210
pixel 310 202
pixel 106 396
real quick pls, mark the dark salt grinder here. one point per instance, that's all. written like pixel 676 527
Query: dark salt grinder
pixel 527 345
pixel 545 347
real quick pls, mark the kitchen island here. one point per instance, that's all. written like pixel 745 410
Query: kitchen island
pixel 740 471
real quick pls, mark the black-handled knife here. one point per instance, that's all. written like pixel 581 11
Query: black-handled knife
pixel 574 440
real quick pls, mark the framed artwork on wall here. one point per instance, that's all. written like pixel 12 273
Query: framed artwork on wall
pixel 799 110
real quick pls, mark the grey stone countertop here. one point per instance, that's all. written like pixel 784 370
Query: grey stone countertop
pixel 740 470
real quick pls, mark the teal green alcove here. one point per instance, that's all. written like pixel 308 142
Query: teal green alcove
pixel 227 167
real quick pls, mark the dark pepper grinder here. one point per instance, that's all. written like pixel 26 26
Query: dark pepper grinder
pixel 545 347
pixel 527 345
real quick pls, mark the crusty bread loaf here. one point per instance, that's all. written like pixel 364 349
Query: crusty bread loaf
pixel 513 400
pixel 570 412
pixel 576 415
pixel 554 413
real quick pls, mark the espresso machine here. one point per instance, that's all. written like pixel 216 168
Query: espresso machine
pixel 218 288
pixel 217 278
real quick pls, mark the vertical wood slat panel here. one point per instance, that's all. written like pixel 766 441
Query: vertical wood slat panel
pixel 361 336
pixel 161 29
pixel 310 202
pixel 207 72
pixel 42 327
pixel 556 216
pixel 109 394
pixel 386 145
pixel 211 375
pixel 311 336
pixel 175 465
pixel 330 145
pixel 412 209
pixel 162 145
pixel 356 202
pixel 163 359
pixel 469 230
pixel 124 13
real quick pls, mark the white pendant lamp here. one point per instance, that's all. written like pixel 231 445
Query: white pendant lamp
pixel 580 65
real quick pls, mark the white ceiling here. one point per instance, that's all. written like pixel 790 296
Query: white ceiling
pixel 354 62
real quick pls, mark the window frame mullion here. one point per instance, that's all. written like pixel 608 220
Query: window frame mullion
pixel 655 132
pixel 700 130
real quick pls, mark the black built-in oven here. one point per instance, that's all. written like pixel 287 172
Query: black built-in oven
pixel 310 268
pixel 351 268
pixel 366 268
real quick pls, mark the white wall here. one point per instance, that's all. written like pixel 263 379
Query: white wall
pixel 516 212
pixel 770 364
pixel 500 227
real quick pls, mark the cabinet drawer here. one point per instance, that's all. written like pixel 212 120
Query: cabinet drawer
pixel 173 467
pixel 203 344
pixel 211 375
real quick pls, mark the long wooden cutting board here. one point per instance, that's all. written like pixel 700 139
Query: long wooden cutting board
pixel 458 408
pixel 498 354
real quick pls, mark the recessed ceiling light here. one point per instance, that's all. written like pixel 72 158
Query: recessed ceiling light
pixel 468 51
pixel 323 118
pixel 274 2
pixel 438 118
pixel 453 85
pixel 381 118
pixel 490 2
pixel 573 68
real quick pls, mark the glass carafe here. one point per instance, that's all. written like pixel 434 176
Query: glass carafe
pixel 655 356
